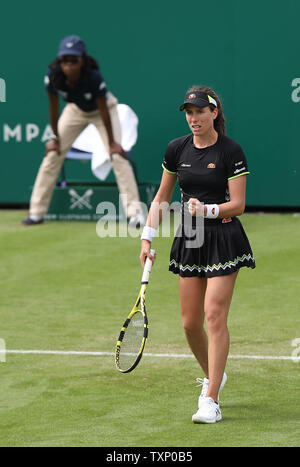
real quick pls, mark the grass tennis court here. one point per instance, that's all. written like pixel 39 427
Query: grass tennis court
pixel 65 289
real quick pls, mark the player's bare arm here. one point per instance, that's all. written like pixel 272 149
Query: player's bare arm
pixel 234 207
pixel 158 208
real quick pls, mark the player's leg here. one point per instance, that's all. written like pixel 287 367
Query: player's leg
pixel 192 293
pixel 218 297
pixel 71 123
pixel 216 307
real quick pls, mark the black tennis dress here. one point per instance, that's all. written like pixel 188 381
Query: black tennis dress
pixel 207 247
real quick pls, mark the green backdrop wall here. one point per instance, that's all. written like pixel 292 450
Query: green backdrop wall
pixel 150 53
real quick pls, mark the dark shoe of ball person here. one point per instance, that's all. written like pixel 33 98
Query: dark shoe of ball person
pixel 29 221
pixel 136 221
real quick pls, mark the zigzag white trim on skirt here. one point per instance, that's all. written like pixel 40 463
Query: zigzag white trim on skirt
pixel 217 267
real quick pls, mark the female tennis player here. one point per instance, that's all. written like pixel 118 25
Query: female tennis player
pixel 210 245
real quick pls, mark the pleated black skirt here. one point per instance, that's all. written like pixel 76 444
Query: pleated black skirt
pixel 225 250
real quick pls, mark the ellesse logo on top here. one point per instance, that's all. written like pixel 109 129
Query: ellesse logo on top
pixel 211 166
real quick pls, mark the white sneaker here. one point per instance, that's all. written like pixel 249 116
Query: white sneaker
pixel 204 382
pixel 208 412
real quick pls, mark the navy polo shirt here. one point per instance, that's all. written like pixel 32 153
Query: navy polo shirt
pixel 85 93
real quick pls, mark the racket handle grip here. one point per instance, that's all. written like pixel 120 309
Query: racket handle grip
pixel 147 268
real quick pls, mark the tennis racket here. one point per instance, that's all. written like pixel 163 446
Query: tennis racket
pixel 134 333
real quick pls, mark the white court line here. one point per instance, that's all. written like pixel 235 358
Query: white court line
pixel 154 355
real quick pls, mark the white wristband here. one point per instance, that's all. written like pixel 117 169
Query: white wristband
pixel 212 211
pixel 148 233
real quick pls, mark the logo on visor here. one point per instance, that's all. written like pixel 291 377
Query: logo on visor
pixel 192 96
pixel 211 166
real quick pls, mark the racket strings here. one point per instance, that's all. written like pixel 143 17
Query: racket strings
pixel 132 341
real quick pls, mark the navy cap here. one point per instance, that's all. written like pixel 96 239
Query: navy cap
pixel 199 99
pixel 71 45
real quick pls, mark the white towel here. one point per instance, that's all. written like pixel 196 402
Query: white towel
pixel 90 141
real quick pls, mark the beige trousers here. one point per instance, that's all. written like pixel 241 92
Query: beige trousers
pixel 71 123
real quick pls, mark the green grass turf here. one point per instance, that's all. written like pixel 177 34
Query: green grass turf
pixel 64 288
